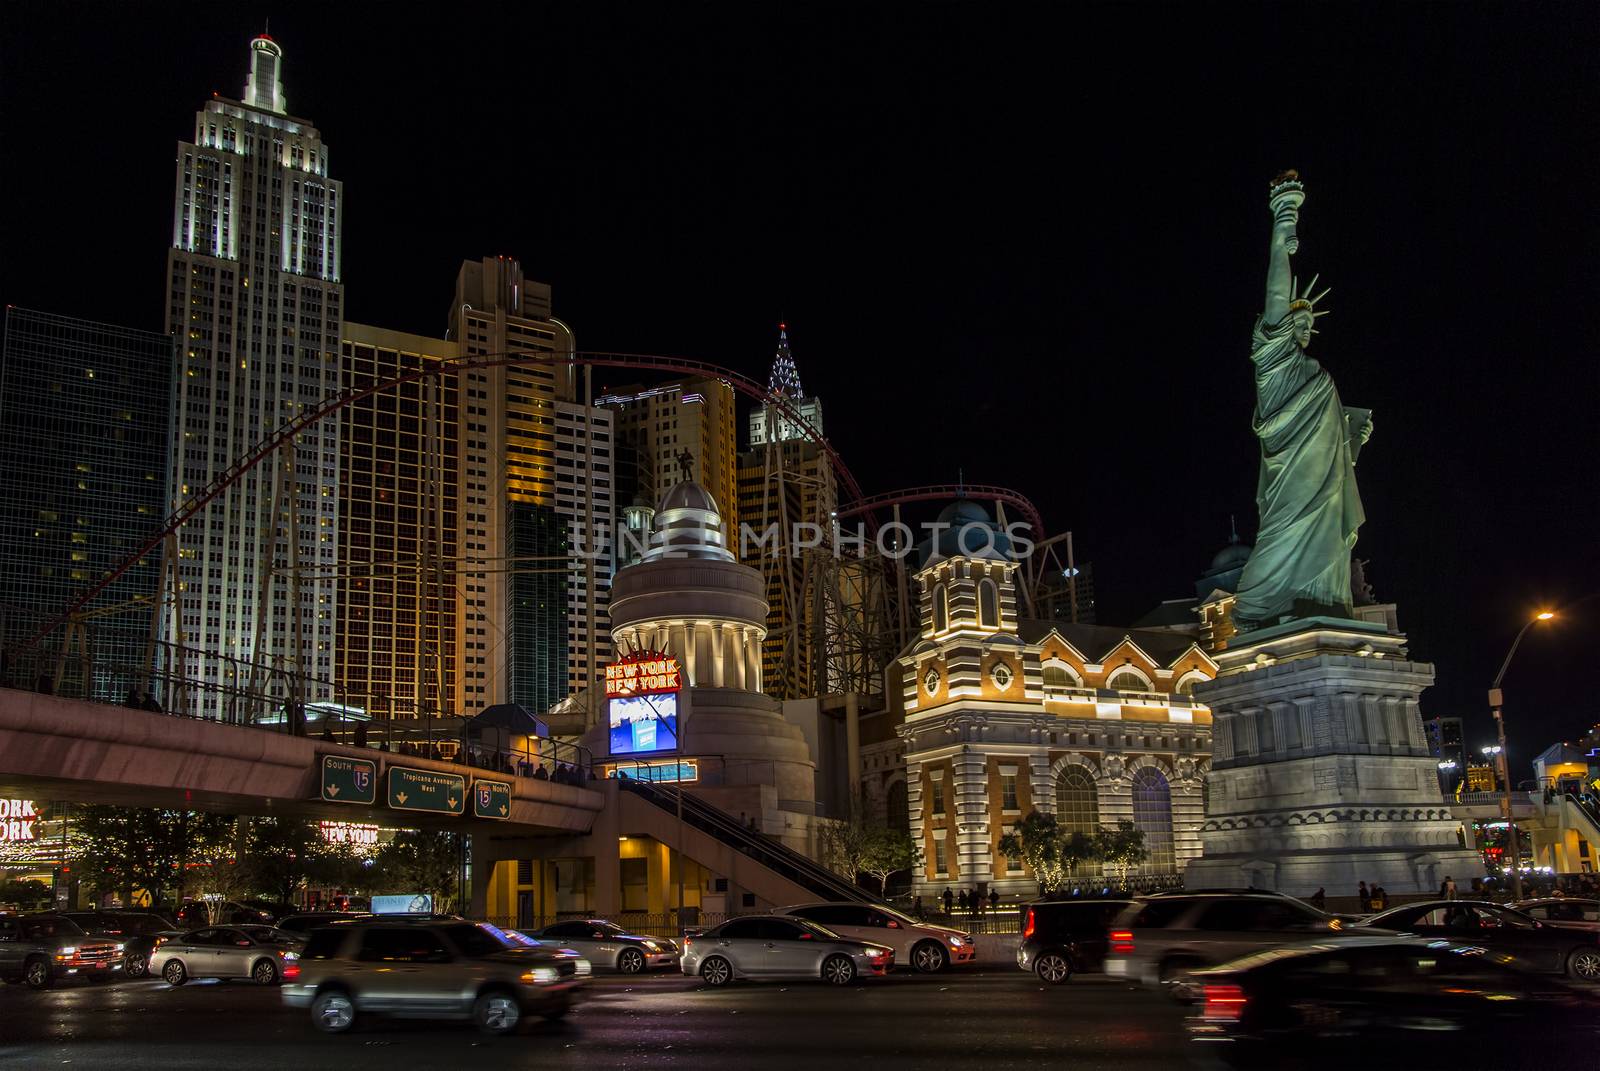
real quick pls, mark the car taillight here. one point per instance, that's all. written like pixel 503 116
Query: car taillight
pixel 1122 941
pixel 1027 929
pixel 687 941
pixel 1224 1002
pixel 291 971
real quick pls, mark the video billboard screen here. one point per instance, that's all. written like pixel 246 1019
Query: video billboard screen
pixel 641 723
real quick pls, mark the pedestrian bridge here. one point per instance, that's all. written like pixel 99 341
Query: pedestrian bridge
pixel 71 750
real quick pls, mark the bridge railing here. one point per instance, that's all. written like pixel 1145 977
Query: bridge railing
pixel 236 692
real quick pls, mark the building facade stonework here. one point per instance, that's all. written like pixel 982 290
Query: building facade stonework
pixel 1004 716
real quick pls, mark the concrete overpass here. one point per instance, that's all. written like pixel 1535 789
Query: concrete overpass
pixel 70 750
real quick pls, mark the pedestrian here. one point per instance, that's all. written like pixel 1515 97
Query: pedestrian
pixel 977 903
pixel 1363 896
pixel 966 903
pixel 1319 899
pixel 994 900
pixel 135 698
pixel 1448 890
pixel 948 901
pixel 361 734
pixel 1380 898
pixel 916 906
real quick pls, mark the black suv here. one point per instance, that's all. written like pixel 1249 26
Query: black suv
pixel 139 932
pixel 1061 938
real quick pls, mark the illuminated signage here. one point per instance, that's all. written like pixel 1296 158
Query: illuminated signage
pixel 641 723
pixel 404 904
pixel 17 820
pixel 645 673
pixel 682 770
pixel 350 833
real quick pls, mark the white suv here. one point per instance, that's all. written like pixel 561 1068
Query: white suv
pixel 926 948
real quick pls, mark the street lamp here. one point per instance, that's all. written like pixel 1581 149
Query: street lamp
pixel 1496 702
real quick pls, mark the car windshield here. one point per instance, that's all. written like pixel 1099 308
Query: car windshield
pixel 478 939
pixel 52 927
pixel 610 928
pixel 820 931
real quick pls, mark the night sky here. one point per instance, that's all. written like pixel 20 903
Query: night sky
pixel 1026 243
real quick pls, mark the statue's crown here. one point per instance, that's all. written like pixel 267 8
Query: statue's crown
pixel 1302 299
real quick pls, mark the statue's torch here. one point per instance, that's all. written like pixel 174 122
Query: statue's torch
pixel 1285 199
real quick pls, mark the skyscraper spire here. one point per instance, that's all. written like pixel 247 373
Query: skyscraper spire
pixel 785 378
pixel 264 90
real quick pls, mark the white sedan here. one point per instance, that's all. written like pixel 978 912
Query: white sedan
pixel 925 947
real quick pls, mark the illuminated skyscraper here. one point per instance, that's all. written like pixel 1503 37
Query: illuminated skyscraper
pixel 255 300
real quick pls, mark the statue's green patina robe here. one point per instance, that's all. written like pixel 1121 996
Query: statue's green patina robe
pixel 1310 509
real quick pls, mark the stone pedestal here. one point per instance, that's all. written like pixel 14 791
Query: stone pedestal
pixel 1320 774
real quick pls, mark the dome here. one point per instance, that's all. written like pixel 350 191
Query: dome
pixel 688 525
pixel 969 532
pixel 1232 556
pixel 690 495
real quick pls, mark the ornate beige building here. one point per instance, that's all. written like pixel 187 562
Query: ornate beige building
pixel 1004 715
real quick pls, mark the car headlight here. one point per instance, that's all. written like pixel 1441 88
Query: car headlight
pixel 70 950
pixel 540 976
pixel 652 946
pixel 583 966
pixel 956 942
pixel 120 947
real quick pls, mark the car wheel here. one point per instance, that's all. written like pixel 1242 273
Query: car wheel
pixel 496 1012
pixel 333 1011
pixel 175 972
pixel 264 973
pixel 930 957
pixel 631 961
pixel 136 964
pixel 37 973
pixel 716 971
pixel 1584 965
pixel 1052 967
pixel 838 970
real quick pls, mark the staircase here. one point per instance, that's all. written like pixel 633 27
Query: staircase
pixel 796 870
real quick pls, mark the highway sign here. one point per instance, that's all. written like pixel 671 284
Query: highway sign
pixel 349 780
pixel 491 799
pixel 427 790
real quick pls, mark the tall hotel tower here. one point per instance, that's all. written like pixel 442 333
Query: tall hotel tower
pixel 255 302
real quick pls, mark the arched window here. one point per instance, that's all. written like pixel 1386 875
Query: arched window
pixel 1058 678
pixel 1077 802
pixel 1128 680
pixel 1152 813
pixel 899 808
pixel 988 604
pixel 941 609
pixel 1186 683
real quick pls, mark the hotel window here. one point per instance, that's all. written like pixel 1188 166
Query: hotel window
pixel 1008 790
pixel 988 604
pixel 1127 681
pixel 937 805
pixel 941 609
pixel 941 858
pixel 1013 864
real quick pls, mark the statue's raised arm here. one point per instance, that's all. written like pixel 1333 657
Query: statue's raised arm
pixel 1285 198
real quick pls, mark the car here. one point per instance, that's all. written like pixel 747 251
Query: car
pixel 779 946
pixel 1564 911
pixel 263 954
pixel 1160 939
pixel 198 913
pixel 40 949
pixel 139 933
pixel 605 944
pixel 1509 937
pixel 919 945
pixel 431 970
pixel 1061 938
pixel 302 925
pixel 1400 1002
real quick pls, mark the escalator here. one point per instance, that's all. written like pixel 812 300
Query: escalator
pixel 816 879
pixel 1583 815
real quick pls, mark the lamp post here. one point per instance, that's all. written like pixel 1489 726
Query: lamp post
pixel 1496 703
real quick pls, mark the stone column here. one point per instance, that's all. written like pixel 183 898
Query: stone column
pixel 691 644
pixel 852 741
pixel 752 659
pixel 680 647
pixel 1040 784
pixel 734 666
pixel 972 816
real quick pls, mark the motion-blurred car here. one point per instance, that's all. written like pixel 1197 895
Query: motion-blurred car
pixel 1568 912
pixel 1162 938
pixel 920 945
pixel 302 925
pixel 262 954
pixel 40 949
pixel 1061 938
pixel 1402 1002
pixel 775 946
pixel 606 945
pixel 1508 936
pixel 431 970
pixel 139 933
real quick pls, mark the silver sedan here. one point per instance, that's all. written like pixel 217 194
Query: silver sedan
pixel 262 954
pixel 771 946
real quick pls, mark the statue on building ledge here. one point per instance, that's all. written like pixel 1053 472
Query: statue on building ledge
pixel 1310 507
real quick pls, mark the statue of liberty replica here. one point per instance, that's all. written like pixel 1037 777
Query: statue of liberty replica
pixel 1320 773
pixel 1310 509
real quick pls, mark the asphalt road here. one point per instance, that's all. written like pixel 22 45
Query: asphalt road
pixel 990 1019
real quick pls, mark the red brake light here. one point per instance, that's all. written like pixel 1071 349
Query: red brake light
pixel 291 971
pixel 1224 1002
pixel 687 941
pixel 1027 928
pixel 1122 941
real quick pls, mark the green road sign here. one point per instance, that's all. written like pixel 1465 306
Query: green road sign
pixel 349 780
pixel 426 790
pixel 491 799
